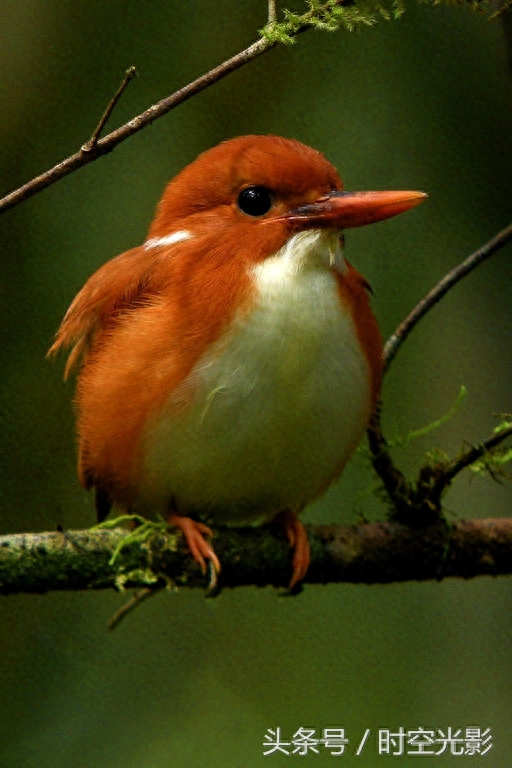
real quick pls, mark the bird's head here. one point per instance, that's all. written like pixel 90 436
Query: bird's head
pixel 260 191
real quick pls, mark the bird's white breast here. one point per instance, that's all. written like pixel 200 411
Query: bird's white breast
pixel 279 402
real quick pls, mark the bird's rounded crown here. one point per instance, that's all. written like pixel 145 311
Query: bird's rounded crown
pixel 207 192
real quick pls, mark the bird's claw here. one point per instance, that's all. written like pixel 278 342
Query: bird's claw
pixel 297 536
pixel 199 547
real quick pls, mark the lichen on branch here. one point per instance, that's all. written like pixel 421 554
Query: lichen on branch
pixel 369 553
pixel 330 17
pixel 348 15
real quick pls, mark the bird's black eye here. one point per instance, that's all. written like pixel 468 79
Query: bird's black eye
pixel 255 201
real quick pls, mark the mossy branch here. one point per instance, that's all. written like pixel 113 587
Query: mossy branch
pixel 368 553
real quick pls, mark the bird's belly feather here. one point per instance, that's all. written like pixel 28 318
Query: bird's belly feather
pixel 278 405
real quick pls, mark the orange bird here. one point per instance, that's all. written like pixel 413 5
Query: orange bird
pixel 229 365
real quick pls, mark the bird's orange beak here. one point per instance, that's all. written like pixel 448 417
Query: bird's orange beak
pixel 341 210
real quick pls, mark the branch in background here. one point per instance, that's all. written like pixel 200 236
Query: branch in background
pixel 396 486
pixel 314 18
pixel 369 553
pixel 329 16
pixel 108 143
pixel 470 458
pixel 421 501
pixel 395 341
pixel 138 598
pixel 128 75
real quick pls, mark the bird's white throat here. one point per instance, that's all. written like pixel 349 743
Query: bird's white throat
pixel 306 251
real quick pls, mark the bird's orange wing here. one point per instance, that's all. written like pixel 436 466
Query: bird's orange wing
pixel 122 283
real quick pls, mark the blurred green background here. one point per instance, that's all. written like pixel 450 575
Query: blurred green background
pixel 426 103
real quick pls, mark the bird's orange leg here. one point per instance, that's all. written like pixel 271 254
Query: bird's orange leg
pixel 298 538
pixel 194 533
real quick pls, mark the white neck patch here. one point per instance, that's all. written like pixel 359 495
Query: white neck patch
pixel 310 250
pixel 174 237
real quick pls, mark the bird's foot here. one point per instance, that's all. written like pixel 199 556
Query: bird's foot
pixel 200 549
pixel 297 535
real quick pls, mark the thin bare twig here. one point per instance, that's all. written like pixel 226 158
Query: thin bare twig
pixel 394 481
pixel 395 341
pixel 128 75
pixel 405 497
pixel 468 458
pixel 107 143
pixel 138 598
pixel 99 147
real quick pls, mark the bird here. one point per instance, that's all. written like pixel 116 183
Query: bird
pixel 229 365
